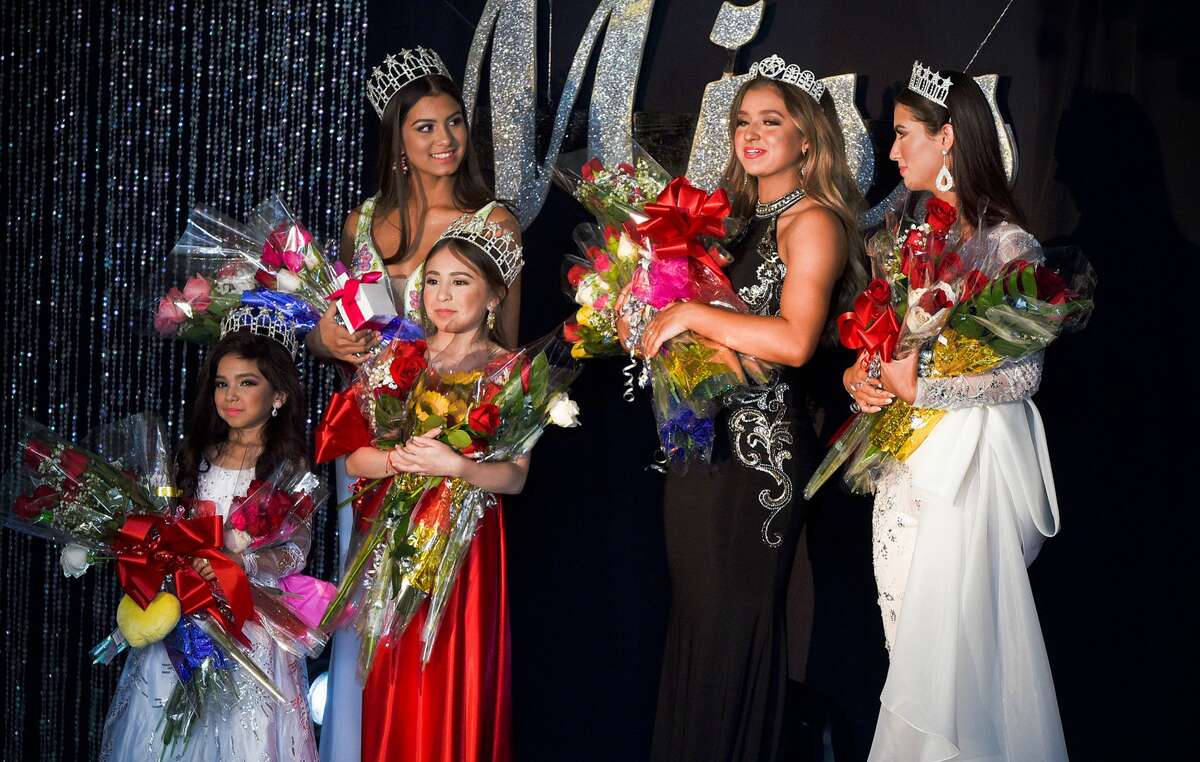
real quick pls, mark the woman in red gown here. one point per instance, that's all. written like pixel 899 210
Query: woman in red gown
pixel 456 705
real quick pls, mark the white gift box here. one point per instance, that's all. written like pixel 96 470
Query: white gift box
pixel 365 304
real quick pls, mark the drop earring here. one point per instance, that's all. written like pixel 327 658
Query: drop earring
pixel 404 163
pixel 944 180
pixel 491 319
pixel 275 409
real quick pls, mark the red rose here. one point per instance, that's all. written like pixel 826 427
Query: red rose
pixel 490 392
pixel 575 274
pixel 73 463
pixel 407 364
pixel 303 506
pixel 611 234
pixel 949 267
pixel 627 169
pixel 262 511
pixel 571 331
pixel 878 291
pixel 525 377
pixel 589 170
pixel 477 445
pixel 939 214
pixel 29 507
pixel 602 263
pixel 914 241
pixel 265 279
pixel 974 285
pixel 484 419
pixel 35 452
pixel 933 300
pixel 1051 288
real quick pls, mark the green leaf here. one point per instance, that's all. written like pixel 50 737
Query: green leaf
pixel 539 380
pixel 458 439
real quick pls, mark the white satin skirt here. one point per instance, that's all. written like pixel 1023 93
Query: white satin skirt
pixel 968 512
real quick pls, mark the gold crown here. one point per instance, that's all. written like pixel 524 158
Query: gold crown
pixel 398 70
pixel 496 241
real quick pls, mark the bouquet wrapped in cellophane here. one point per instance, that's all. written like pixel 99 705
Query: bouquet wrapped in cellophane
pixel 271 260
pixel 114 501
pixel 966 305
pixel 652 249
pixel 414 538
pixel 265 524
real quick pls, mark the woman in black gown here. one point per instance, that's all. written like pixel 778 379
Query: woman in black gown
pixel 732 529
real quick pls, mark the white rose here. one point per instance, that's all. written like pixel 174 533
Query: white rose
pixel 586 293
pixel 236 540
pixel 917 320
pixel 564 412
pixel 626 248
pixel 287 281
pixel 75 560
pixel 310 257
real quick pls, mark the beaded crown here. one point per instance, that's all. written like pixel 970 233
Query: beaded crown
pixel 262 322
pixel 774 67
pixel 397 70
pixel 495 240
pixel 929 83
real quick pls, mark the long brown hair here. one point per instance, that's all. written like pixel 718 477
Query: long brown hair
pixel 825 176
pixel 396 188
pixel 207 432
pixel 979 180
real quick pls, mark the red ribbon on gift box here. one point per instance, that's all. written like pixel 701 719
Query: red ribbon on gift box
pixel 348 293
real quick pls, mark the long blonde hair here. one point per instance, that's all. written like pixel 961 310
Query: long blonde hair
pixel 824 174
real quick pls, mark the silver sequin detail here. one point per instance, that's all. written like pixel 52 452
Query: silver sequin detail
pixel 761 438
pixel 762 295
pixel 776 207
pixel 513 84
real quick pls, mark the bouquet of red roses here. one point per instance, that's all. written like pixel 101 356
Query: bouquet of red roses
pixel 971 306
pixel 416 533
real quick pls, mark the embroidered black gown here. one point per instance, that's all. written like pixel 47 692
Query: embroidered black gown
pixel 732 531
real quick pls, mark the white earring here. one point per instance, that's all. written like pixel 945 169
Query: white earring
pixel 275 409
pixel 944 180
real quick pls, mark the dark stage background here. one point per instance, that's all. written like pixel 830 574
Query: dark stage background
pixel 1103 100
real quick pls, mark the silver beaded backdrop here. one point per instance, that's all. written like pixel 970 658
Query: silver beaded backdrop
pixel 117 119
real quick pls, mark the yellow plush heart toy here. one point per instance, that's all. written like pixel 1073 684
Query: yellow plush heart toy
pixel 143 627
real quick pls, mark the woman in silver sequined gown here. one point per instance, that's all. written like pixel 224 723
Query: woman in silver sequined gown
pixel 732 528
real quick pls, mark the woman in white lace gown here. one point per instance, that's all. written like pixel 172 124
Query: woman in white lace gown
pixel 958 522
pixel 247 420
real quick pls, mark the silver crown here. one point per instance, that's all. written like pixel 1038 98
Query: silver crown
pixel 398 70
pixel 262 322
pixel 495 240
pixel 929 83
pixel 774 67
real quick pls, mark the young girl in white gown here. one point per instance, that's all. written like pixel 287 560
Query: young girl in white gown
pixel 248 419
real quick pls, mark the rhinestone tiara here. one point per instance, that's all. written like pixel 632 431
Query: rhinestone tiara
pixel 774 67
pixel 398 70
pixel 929 83
pixel 262 322
pixel 495 240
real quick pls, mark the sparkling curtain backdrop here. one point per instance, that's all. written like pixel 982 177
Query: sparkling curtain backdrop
pixel 118 118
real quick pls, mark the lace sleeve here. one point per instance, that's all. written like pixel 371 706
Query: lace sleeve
pixel 268 565
pixel 1008 383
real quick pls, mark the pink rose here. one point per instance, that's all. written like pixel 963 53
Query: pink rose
pixel 198 293
pixel 169 315
pixel 602 263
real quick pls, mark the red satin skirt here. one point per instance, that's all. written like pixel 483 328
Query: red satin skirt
pixel 458 707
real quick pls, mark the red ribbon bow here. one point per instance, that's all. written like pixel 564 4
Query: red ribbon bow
pixel 148 548
pixel 343 429
pixel 348 293
pixel 872 324
pixel 679 216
